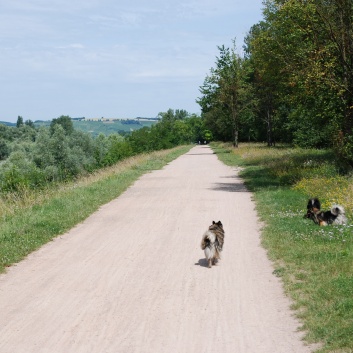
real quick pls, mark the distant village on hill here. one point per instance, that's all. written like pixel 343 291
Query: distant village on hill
pixel 115 119
pixel 106 126
pixel 102 119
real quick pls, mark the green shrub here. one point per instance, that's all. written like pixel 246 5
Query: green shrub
pixel 18 172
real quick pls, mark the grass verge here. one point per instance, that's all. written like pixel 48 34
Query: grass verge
pixel 32 218
pixel 315 263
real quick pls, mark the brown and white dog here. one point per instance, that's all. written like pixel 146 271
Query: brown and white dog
pixel 323 218
pixel 212 242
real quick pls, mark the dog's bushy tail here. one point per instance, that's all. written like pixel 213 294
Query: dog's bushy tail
pixel 339 213
pixel 205 243
pixel 207 239
pixel 337 210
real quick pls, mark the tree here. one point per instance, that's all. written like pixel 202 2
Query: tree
pixel 197 129
pixel 265 78
pixel 181 114
pixel 226 95
pixel 30 123
pixel 303 58
pixel 66 123
pixel 19 121
pixel 335 22
pixel 228 69
pixel 4 150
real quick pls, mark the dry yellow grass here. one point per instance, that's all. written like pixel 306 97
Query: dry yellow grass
pixel 332 190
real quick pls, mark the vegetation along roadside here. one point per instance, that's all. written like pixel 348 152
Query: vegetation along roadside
pixel 30 218
pixel 315 263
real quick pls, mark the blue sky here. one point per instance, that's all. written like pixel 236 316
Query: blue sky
pixel 105 58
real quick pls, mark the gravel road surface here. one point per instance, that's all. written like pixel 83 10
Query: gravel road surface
pixel 132 277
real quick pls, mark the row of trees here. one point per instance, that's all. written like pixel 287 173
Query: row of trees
pixel 31 158
pixel 294 82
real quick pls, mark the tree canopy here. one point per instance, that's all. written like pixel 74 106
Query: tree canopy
pixel 32 158
pixel 294 82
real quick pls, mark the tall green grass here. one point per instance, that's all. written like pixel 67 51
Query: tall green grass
pixel 315 263
pixel 29 219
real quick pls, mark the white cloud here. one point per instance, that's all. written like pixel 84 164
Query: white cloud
pixel 72 46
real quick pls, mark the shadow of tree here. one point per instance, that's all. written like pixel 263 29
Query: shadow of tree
pixel 230 187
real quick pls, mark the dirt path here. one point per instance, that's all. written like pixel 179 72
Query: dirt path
pixel 132 277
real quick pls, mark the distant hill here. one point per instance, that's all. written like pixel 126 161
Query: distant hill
pixel 111 127
pixel 7 123
pixel 106 127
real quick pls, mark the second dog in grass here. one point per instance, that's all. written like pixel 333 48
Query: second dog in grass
pixel 212 242
pixel 334 216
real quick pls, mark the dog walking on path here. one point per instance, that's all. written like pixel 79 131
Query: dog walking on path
pixel 212 242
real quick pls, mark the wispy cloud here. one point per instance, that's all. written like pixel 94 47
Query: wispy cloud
pixel 72 46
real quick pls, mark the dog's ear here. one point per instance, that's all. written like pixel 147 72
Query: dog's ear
pixel 213 222
pixel 219 223
pixel 317 203
pixel 314 203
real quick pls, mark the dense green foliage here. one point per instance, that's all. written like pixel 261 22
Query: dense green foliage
pixel 33 157
pixel 227 100
pixel 295 82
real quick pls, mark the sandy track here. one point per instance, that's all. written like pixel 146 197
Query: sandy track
pixel 132 277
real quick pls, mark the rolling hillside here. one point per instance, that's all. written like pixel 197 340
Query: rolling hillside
pixel 105 127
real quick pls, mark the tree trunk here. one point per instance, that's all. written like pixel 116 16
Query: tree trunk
pixel 235 142
pixel 235 120
pixel 346 28
pixel 269 129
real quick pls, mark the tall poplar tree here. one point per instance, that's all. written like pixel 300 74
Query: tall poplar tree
pixel 225 95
